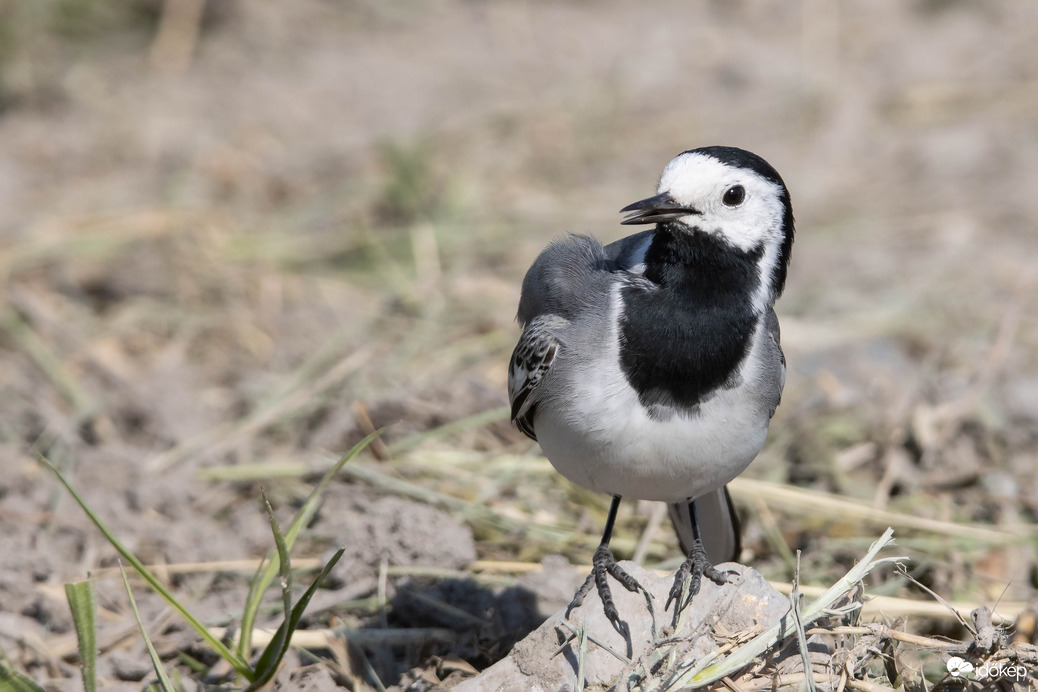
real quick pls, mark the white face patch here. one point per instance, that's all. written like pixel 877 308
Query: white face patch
pixel 700 181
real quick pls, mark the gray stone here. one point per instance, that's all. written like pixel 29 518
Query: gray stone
pixel 547 659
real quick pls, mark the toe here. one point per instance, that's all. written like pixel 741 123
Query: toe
pixel 578 598
pixel 716 576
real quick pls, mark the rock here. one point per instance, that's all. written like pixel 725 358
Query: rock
pixel 547 659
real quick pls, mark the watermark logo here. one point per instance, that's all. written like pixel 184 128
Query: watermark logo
pixel 959 667
pixel 987 671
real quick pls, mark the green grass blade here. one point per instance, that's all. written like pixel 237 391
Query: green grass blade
pixel 237 662
pixel 251 607
pixel 279 643
pixel 164 682
pixel 82 601
pixel 13 681
pixel 265 575
pixel 271 657
pixel 285 569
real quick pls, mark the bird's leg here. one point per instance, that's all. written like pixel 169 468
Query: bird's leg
pixel 692 570
pixel 603 564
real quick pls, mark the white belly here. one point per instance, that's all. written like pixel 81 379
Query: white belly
pixel 597 434
pixel 639 457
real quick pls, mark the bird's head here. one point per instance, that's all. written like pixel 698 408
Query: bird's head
pixel 731 194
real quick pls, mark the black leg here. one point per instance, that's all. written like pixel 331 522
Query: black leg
pixel 695 521
pixel 614 507
pixel 695 566
pixel 602 565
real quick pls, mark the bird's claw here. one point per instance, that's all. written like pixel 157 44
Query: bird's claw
pixel 692 570
pixel 603 565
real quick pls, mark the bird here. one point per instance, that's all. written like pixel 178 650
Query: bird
pixel 651 367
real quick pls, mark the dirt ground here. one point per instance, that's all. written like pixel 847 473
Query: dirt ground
pixel 234 244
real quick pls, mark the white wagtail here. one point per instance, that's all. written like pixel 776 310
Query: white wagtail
pixel 651 367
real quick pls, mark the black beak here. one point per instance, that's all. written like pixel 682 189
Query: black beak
pixel 656 209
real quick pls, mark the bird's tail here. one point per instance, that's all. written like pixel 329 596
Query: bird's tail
pixel 718 525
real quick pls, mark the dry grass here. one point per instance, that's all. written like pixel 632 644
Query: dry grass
pixel 203 294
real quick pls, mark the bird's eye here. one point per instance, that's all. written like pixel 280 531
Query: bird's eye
pixel 734 195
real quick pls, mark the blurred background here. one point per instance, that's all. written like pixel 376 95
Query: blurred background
pixel 238 236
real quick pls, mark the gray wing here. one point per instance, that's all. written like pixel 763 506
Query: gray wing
pixel 629 252
pixel 563 282
pixel 566 279
pixel 531 360
pixel 773 352
pixel 570 280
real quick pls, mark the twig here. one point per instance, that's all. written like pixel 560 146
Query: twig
pixel 594 640
pixel 318 639
pixel 844 676
pixel 369 671
pixel 790 681
pixel 866 686
pixel 513 567
pixel 378 447
pixel 882 631
pixel 731 685
pixel 900 569
pixel 302 563
pixel 845 509
pixel 794 610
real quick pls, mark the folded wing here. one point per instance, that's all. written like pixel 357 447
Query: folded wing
pixel 531 361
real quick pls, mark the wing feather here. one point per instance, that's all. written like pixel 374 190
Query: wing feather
pixel 774 335
pixel 531 361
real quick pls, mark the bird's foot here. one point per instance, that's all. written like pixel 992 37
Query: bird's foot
pixel 692 571
pixel 602 565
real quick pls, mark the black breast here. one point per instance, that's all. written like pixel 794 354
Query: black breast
pixel 685 338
